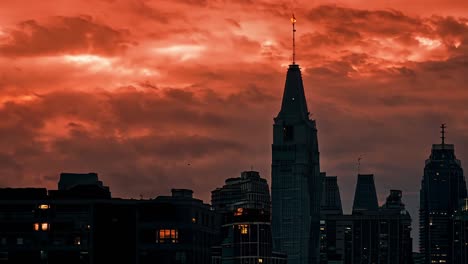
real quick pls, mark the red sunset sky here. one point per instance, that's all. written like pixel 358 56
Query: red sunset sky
pixel 136 90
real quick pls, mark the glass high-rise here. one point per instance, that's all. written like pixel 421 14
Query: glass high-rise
pixel 442 187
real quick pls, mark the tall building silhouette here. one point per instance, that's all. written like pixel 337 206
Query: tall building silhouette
pixel 295 176
pixel 442 187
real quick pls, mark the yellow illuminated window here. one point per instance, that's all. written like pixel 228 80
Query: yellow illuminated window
pixel 44 206
pixel 167 236
pixel 45 226
pixel 244 229
pixel 36 226
pixel 260 260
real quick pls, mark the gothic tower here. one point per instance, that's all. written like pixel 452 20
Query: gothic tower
pixel 295 176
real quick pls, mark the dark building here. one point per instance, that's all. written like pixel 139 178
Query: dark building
pixel 81 223
pixel 372 235
pixel 247 239
pixel 365 196
pixel 460 234
pixel 176 229
pixel 331 200
pixel 418 258
pixel 442 187
pixel 295 176
pixel 244 203
pixel 247 191
pixel 330 205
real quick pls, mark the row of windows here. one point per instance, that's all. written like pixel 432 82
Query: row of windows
pixel 167 236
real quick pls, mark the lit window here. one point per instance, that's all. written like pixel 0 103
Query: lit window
pixel 44 206
pixel 244 229
pixel 167 236
pixel 260 260
pixel 77 241
pixel 194 220
pixel 45 226
pixel 239 211
pixel 36 226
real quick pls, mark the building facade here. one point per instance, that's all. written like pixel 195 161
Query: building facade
pixel 244 204
pixel 460 234
pixel 442 187
pixel 372 235
pixel 295 176
pixel 81 223
pixel 247 239
pixel 247 191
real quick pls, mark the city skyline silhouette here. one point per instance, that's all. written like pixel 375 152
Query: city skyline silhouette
pixel 156 95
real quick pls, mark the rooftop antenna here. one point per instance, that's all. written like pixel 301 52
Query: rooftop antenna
pixel 443 127
pixel 293 21
pixel 359 164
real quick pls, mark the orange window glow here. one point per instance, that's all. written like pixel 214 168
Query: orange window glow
pixel 167 236
pixel 45 226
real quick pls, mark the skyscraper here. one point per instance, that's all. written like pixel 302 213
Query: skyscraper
pixel 295 176
pixel 443 185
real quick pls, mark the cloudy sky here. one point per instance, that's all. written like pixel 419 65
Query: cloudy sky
pixel 153 95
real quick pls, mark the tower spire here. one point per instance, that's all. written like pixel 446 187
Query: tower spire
pixel 443 127
pixel 293 21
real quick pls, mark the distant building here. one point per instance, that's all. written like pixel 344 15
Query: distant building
pixel 246 226
pixel 460 234
pixel 365 196
pixel 370 234
pixel 247 191
pixel 330 205
pixel 81 223
pixel 247 239
pixel 442 187
pixel 331 200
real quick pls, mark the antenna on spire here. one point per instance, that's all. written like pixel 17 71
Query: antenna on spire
pixel 359 164
pixel 293 21
pixel 443 127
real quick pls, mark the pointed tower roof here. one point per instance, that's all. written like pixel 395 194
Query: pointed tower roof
pixel 365 197
pixel 294 101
